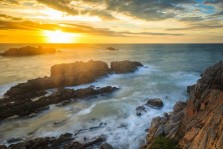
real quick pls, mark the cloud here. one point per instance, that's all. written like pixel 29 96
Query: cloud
pixel 200 26
pixel 61 5
pixel 71 28
pixel 10 17
pixel 142 9
pixel 10 1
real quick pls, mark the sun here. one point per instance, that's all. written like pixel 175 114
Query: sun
pixel 60 37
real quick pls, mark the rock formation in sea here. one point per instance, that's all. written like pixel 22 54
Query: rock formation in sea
pixel 110 49
pixel 197 123
pixel 28 98
pixel 28 51
pixel 70 75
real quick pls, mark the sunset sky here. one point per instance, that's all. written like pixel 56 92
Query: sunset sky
pixel 111 21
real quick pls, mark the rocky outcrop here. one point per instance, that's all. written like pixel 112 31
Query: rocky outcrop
pixel 198 123
pixel 111 49
pixel 27 51
pixel 65 141
pixel 24 107
pixel 79 72
pixel 124 66
pixel 66 75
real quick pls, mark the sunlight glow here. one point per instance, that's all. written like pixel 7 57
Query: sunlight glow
pixel 60 37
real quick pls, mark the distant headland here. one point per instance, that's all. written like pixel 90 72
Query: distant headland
pixel 28 51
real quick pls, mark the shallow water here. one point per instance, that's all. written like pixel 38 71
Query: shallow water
pixel 168 70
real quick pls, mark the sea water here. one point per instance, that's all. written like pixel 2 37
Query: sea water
pixel 168 70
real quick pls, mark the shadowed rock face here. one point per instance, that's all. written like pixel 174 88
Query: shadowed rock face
pixel 66 75
pixel 65 141
pixel 24 107
pixel 124 66
pixel 199 124
pixel 27 51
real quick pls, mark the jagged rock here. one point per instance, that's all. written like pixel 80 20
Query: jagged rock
pixel 3 147
pixel 197 124
pixel 69 75
pixel 125 66
pixel 140 110
pixel 106 146
pixel 13 140
pixel 179 105
pixel 190 88
pixel 156 102
pixel 27 51
pixel 24 107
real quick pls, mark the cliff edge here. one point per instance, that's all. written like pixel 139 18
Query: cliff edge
pixel 198 123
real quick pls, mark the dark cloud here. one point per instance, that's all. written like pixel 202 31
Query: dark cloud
pixel 143 9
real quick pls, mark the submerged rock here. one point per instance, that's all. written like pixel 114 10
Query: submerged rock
pixel 197 123
pixel 140 110
pixel 156 102
pixel 27 51
pixel 106 146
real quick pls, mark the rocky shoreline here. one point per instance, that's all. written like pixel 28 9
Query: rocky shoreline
pixel 197 123
pixel 194 124
pixel 30 98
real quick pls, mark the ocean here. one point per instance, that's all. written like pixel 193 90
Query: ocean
pixel 168 70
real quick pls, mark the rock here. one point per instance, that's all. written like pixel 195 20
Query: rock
pixel 61 75
pixel 69 75
pixel 106 146
pixel 24 107
pixel 197 123
pixel 79 72
pixel 166 114
pixel 125 66
pixel 139 110
pixel 3 147
pixel 190 88
pixel 156 103
pixel 27 51
pixel 13 140
pixel 111 49
pixel 179 106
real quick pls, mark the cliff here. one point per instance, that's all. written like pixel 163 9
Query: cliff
pixel 198 123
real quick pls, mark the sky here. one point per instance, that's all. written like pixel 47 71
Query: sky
pixel 111 21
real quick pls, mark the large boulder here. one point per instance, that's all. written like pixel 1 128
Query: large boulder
pixel 80 72
pixel 125 66
pixel 156 103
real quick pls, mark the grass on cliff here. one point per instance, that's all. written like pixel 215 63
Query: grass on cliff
pixel 161 142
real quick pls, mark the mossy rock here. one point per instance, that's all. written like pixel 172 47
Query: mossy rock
pixel 162 142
